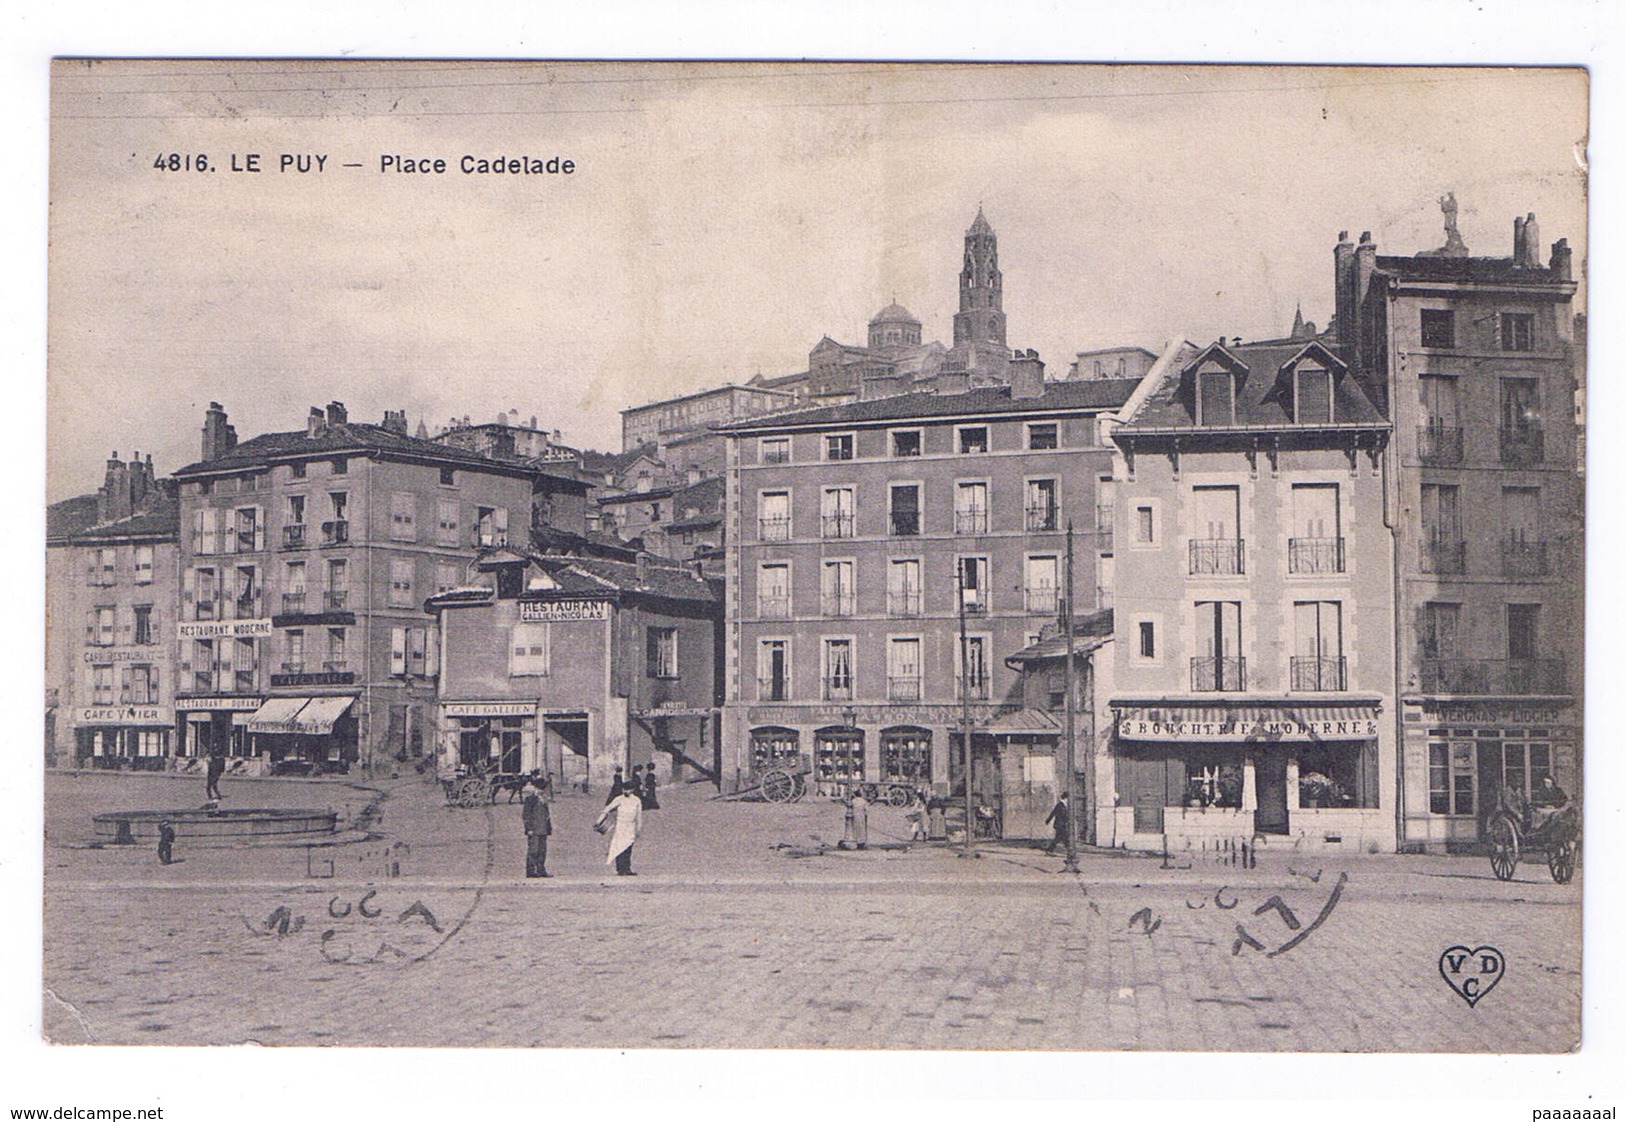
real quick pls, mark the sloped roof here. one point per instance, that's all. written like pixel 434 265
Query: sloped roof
pixel 669 582
pixel 1091 395
pixel 1259 402
pixel 75 520
pixel 350 437
pixel 1478 270
pixel 69 516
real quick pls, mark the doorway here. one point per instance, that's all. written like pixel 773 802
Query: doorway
pixel 1270 773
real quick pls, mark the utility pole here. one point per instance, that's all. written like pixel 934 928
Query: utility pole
pixel 964 716
pixel 1070 753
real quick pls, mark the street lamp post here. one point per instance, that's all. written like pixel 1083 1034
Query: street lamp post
pixel 1069 756
pixel 964 722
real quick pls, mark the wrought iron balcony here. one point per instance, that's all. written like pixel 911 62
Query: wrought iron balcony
pixel 1214 674
pixel 1525 444
pixel 293 603
pixel 335 599
pixel 203 609
pixel 970 521
pixel 1218 557
pixel 903 603
pixel 1493 676
pixel 1437 444
pixel 1522 558
pixel 296 666
pixel 903 688
pixel 1312 673
pixel 837 525
pixel 1044 516
pixel 336 532
pixel 773 689
pixel 841 604
pixel 773 607
pixel 335 665
pixel 246 541
pixel 774 529
pixel 293 536
pixel 1441 555
pixel 1043 600
pixel 1314 555
pixel 905 523
pixel 838 688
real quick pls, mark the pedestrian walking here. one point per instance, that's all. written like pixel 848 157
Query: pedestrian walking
pixel 857 818
pixel 166 842
pixel 651 801
pixel 1061 815
pixel 915 816
pixel 617 786
pixel 215 769
pixel 628 811
pixel 538 818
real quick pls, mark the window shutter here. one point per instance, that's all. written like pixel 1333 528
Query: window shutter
pixel 416 639
pixel 397 650
pixel 90 627
pixel 124 686
pixel 499 521
pixel 431 657
pixel 259 528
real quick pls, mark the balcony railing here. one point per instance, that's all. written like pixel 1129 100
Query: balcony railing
pixel 905 523
pixel 775 529
pixel 773 607
pixel 1103 596
pixel 335 532
pixel 1312 673
pixel 1440 555
pixel 903 603
pixel 772 689
pixel 335 665
pixel 1522 559
pixel 1314 555
pixel 975 690
pixel 1436 444
pixel 970 521
pixel 293 603
pixel 1212 674
pixel 249 606
pixel 843 604
pixel 1046 516
pixel 903 688
pixel 296 666
pixel 1523 445
pixel 335 599
pixel 293 536
pixel 1217 557
pixel 1043 600
pixel 246 541
pixel 837 525
pixel 975 604
pixel 203 609
pixel 1493 676
pixel 838 689
pixel 244 681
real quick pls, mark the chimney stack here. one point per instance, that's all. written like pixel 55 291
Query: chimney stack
pixel 113 500
pixel 336 414
pixel 1026 376
pixel 218 436
pixel 395 421
pixel 1531 242
pixel 1562 259
pixel 643 567
pixel 315 422
pixel 953 382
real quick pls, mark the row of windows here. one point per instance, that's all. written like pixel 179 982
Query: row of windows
pixel 103 628
pixel 102 565
pixel 218 530
pixel 252 481
pixel 1317 662
pixel 968 440
pixel 1513 331
pixel 903 680
pixel 131 684
pixel 1466 775
pixel 972 511
pixel 213 593
pixel 905 593
pixel 530 651
pixel 1311 397
pixel 1520 435
pixel 1522 544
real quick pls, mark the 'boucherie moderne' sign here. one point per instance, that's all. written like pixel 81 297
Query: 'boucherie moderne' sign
pixel 1249 728
pixel 562 611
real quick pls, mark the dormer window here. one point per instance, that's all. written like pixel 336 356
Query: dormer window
pixel 1215 398
pixel 1312 396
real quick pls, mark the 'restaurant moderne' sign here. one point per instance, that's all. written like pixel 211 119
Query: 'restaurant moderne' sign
pixel 1249 729
pixel 225 629
pixel 562 611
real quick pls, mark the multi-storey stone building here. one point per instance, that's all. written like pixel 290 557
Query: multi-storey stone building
pixel 111 573
pixel 853 533
pixel 1250 682
pixel 1476 360
pixel 305 559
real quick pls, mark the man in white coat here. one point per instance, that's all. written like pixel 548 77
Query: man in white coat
pixel 628 811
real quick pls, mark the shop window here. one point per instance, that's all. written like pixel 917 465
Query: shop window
pixel 905 755
pixel 770 747
pixel 1213 782
pixel 1338 775
pixel 839 755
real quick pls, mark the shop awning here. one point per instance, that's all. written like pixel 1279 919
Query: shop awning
pixel 1054 647
pixel 277 715
pixel 1024 722
pixel 1250 724
pixel 318 715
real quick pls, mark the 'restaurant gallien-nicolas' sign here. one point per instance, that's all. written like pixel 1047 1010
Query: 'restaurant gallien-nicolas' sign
pixel 224 629
pixel 562 611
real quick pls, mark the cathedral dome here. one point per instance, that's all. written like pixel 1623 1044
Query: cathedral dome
pixel 893 313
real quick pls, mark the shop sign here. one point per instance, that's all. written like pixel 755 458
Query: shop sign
pixel 1249 728
pixel 224 629
pixel 104 655
pixel 562 611
pixel 1495 714
pixel 226 704
pixel 951 715
pixel 489 709
pixel 672 711
pixel 127 715
pixel 319 678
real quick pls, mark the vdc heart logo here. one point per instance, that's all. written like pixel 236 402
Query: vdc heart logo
pixel 1472 973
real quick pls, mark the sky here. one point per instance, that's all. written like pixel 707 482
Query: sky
pixel 720 220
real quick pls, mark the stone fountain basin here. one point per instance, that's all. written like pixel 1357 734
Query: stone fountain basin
pixel 128 827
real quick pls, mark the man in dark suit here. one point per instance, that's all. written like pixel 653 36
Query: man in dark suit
pixel 538 819
pixel 1061 815
pixel 216 767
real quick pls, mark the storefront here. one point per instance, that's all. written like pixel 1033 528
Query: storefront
pixel 124 736
pixel 305 735
pixel 1192 777
pixel 838 745
pixel 1461 755
pixel 488 736
pixel 215 725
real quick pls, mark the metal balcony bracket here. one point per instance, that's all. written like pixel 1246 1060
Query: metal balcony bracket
pixel 1173 456
pixel 1273 451
pixel 1252 459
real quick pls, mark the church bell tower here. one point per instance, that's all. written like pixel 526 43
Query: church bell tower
pixel 979 328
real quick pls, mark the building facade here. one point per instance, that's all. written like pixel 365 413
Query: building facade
pixel 1252 674
pixel 577 666
pixel 1477 359
pixel 112 571
pixel 304 561
pixel 854 532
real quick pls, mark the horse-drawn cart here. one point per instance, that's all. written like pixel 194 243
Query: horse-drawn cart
pixel 1517 827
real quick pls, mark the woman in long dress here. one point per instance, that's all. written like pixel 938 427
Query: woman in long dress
pixel 628 811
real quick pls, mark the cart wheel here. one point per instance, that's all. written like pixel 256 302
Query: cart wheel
pixel 779 786
pixel 1561 861
pixel 897 795
pixel 472 793
pixel 870 791
pixel 801 789
pixel 1503 847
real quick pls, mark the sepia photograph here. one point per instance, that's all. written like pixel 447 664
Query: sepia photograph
pixel 897 557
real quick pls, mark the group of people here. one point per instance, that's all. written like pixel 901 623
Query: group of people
pixel 628 799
